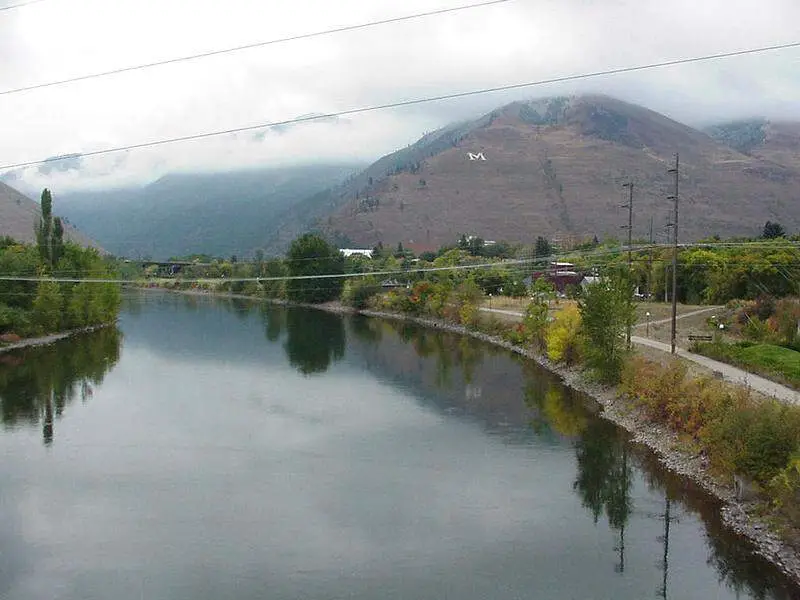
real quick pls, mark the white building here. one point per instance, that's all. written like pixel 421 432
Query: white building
pixel 351 251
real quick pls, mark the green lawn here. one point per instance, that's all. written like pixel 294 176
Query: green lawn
pixel 775 362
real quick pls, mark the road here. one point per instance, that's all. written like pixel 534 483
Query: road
pixel 728 372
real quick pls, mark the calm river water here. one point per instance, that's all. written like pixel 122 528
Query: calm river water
pixel 214 449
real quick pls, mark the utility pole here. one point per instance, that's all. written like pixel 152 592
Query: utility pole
pixel 650 262
pixel 629 206
pixel 667 226
pixel 674 197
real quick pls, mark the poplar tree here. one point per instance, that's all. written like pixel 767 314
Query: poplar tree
pixel 49 232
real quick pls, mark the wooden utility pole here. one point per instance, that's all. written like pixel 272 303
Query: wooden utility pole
pixel 650 262
pixel 674 197
pixel 629 227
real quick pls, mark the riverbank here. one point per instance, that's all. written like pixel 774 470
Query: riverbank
pixel 46 340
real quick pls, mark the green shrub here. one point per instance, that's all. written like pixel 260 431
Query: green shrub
pixel 740 435
pixel 357 293
pixel 535 323
pixel 756 439
pixel 785 322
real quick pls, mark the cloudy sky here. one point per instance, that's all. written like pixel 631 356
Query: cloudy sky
pixel 517 41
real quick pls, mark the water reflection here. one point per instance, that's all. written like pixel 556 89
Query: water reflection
pixel 37 384
pixel 313 344
pixel 274 319
pixel 426 464
pixel 604 457
pixel 730 555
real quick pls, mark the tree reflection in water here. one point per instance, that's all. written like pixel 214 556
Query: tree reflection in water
pixel 605 478
pixel 730 555
pixel 313 344
pixel 604 481
pixel 36 384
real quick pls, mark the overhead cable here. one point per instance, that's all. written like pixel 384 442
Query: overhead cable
pixel 20 4
pixel 293 38
pixel 405 103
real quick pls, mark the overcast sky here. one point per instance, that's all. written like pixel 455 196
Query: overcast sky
pixel 522 40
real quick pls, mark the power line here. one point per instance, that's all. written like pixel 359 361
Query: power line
pixel 293 38
pixel 414 102
pixel 502 264
pixel 20 4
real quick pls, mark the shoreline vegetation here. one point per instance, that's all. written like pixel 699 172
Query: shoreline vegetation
pixel 756 509
pixel 48 285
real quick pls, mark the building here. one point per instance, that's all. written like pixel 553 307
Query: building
pixel 561 275
pixel 348 252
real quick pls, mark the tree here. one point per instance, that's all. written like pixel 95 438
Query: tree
pixel 48 307
pixel 606 311
pixel 773 230
pixel 57 242
pixel 49 232
pixel 543 247
pixel 476 246
pixel 310 256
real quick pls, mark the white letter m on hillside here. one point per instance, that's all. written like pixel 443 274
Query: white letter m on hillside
pixel 478 156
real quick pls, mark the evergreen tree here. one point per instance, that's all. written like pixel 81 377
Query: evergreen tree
pixel 543 247
pixel 773 230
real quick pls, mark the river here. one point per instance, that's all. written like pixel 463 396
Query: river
pixel 212 448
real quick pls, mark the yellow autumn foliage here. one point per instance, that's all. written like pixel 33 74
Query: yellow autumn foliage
pixel 563 341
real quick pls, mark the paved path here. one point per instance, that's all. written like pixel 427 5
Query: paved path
pixel 729 372
pixel 679 317
pixel 500 311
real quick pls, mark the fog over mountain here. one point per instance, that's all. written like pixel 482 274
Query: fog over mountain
pixel 509 43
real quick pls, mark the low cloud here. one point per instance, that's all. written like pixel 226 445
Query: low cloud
pixel 484 47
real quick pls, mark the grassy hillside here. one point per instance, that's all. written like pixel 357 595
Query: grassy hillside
pixel 555 167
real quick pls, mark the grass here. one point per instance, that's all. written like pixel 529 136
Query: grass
pixel 774 362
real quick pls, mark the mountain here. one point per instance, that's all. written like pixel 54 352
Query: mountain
pixel 555 167
pixel 18 215
pixel 772 141
pixel 201 213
